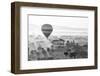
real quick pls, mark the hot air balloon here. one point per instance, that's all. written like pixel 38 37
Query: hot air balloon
pixel 47 29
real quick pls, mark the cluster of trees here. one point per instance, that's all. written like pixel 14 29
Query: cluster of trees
pixel 74 50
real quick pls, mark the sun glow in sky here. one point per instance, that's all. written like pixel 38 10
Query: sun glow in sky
pixel 61 25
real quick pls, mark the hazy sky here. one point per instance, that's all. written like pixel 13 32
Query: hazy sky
pixel 61 25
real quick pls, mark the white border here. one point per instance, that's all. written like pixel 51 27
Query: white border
pixel 25 64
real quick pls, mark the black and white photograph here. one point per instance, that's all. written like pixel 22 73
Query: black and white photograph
pixel 54 37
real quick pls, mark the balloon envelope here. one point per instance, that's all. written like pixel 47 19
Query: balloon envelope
pixel 47 29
